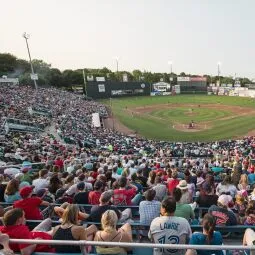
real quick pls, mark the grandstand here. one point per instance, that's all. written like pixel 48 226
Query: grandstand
pixel 80 162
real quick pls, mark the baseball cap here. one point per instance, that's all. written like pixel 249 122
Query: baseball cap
pixel 26 191
pixel 224 199
pixel 41 192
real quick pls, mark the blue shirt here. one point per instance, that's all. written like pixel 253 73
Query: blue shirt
pixel 148 211
pixel 200 239
pixel 88 166
pixel 251 178
pixel 12 198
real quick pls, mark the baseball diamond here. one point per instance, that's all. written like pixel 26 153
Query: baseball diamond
pixel 183 117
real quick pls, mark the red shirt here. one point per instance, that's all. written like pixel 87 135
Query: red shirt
pixel 251 169
pixel 159 171
pixel 23 232
pixel 94 175
pixel 171 185
pixel 30 206
pixel 94 197
pixel 123 196
pixel 59 163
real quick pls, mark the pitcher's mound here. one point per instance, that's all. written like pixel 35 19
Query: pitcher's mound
pixel 185 127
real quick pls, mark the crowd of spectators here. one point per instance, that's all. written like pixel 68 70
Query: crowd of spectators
pixel 112 173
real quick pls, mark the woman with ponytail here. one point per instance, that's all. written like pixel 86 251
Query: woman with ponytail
pixel 110 233
pixel 208 237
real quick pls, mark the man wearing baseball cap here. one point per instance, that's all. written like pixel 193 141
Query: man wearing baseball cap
pixel 30 204
pixel 223 214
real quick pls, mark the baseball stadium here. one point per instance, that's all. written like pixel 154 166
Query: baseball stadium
pixel 191 116
pixel 121 132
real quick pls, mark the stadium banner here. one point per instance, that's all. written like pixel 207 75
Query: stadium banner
pixel 100 79
pixel 96 120
pixel 183 78
pixel 34 76
pixel 198 79
pixel 90 78
pixel 161 89
pixel 125 77
pixel 5 80
pixel 101 88
pixel 177 89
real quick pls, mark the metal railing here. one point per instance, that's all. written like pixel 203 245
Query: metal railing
pixel 20 165
pixel 83 244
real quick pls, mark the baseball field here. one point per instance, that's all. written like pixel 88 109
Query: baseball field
pixel 183 117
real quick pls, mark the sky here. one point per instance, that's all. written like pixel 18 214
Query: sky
pixel 143 34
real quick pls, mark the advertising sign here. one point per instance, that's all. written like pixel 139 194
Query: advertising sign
pixel 100 79
pixel 34 76
pixel 90 78
pixel 183 78
pixel 177 89
pixel 125 77
pixel 197 78
pixel 161 87
pixel 101 88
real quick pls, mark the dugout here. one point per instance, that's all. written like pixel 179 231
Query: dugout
pixel 107 89
pixel 192 85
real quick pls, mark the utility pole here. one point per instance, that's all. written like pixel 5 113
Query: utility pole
pixel 218 65
pixel 26 36
pixel 85 84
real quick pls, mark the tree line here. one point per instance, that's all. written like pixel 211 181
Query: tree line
pixel 13 67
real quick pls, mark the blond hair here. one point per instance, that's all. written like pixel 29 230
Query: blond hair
pixel 70 214
pixel 126 172
pixel 243 179
pixel 109 221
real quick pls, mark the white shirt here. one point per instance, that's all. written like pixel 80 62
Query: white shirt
pixel 169 230
pixel 70 169
pixel 116 176
pixel 40 184
pixel 11 171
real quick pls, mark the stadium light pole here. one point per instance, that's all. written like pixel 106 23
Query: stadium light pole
pixel 170 63
pixel 117 63
pixel 85 84
pixel 26 36
pixel 218 65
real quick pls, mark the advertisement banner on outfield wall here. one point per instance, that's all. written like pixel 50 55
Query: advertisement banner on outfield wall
pixel 161 89
pixel 183 78
pixel 177 89
pixel 161 93
pixel 198 79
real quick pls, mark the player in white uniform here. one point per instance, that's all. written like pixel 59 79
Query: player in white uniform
pixel 169 229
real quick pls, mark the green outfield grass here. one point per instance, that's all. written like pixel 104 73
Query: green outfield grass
pixel 158 123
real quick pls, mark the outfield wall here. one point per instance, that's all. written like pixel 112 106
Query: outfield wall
pixel 230 91
pixel 192 85
pixel 108 89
